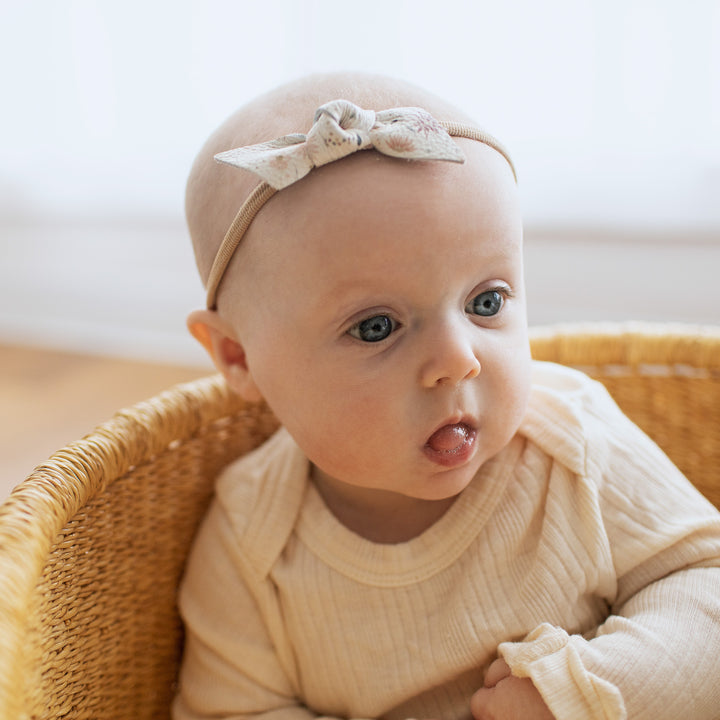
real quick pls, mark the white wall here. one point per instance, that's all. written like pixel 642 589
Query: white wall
pixel 611 109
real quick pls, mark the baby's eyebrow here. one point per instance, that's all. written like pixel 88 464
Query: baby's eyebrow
pixel 348 301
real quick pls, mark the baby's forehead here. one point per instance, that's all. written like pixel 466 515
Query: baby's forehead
pixel 338 209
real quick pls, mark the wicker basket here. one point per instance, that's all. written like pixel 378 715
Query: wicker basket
pixel 93 543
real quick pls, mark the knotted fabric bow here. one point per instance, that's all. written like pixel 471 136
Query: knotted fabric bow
pixel 340 129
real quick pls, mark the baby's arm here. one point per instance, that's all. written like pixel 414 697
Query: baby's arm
pixel 657 657
pixel 230 667
pixel 657 654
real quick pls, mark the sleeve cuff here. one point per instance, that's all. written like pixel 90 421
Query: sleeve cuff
pixel 551 659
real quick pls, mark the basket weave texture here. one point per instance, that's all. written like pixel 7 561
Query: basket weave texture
pixel 93 543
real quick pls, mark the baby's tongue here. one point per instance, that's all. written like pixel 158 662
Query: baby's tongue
pixel 448 438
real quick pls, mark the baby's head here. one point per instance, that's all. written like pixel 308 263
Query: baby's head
pixel 377 304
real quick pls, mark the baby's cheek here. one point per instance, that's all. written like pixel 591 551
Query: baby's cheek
pixel 516 382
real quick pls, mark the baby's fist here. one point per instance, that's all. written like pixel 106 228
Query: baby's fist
pixel 506 697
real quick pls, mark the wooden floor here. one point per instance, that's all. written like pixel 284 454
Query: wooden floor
pixel 49 398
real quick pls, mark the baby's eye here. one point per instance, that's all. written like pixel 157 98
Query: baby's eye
pixel 374 329
pixel 487 303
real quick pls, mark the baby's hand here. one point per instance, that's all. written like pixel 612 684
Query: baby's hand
pixel 506 697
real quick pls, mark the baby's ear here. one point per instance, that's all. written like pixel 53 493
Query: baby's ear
pixel 225 350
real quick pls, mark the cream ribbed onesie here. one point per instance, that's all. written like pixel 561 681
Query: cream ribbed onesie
pixel 579 554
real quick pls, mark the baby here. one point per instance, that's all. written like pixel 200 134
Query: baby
pixel 441 528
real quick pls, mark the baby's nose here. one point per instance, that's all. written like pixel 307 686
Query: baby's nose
pixel 452 357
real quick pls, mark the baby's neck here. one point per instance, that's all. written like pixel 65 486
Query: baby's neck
pixel 379 515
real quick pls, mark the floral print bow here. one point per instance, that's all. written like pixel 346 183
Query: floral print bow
pixel 341 128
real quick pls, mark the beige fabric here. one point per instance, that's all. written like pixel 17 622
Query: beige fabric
pixel 579 553
pixel 340 129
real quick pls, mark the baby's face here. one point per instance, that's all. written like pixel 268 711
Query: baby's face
pixel 387 326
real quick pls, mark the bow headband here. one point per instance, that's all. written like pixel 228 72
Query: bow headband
pixel 340 128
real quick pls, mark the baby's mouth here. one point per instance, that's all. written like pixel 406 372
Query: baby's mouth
pixel 450 438
pixel 451 441
pixel 452 445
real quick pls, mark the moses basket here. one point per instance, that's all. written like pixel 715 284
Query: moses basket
pixel 93 543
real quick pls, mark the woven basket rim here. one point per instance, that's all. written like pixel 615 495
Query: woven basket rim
pixel 634 344
pixel 137 432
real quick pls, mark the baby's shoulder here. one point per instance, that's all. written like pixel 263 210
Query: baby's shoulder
pixel 276 458
pixel 566 412
pixel 569 392
pixel 263 490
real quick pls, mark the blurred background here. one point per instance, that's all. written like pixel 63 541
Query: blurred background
pixel 611 110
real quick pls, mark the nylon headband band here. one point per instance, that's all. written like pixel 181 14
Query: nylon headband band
pixel 263 192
